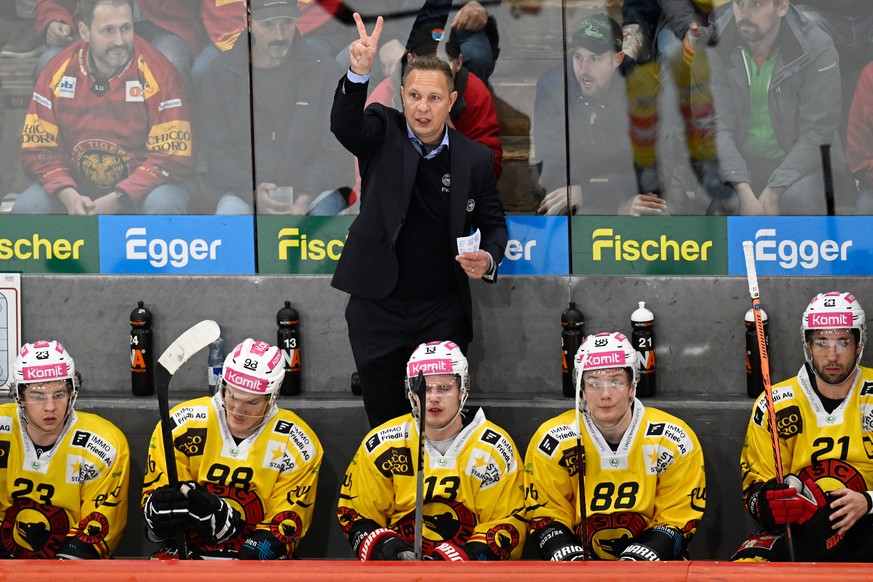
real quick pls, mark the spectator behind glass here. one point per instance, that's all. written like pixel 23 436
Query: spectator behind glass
pixel 223 20
pixel 776 85
pixel 103 135
pixel 290 82
pixel 171 26
pixel 602 177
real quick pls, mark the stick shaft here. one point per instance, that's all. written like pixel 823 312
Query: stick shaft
pixel 751 273
pixel 421 391
pixel 580 462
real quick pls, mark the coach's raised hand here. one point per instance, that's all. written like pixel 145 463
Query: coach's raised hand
pixel 363 51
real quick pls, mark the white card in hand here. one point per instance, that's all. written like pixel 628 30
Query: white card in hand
pixel 469 244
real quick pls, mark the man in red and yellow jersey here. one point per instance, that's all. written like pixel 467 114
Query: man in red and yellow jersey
pixel 108 129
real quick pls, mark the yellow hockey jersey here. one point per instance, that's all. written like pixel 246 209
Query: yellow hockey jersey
pixel 77 488
pixel 654 478
pixel 834 449
pixel 270 478
pixel 472 495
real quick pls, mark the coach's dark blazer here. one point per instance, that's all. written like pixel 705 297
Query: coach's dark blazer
pixel 387 160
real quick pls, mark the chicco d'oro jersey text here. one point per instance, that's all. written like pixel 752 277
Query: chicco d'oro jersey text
pixel 654 478
pixel 135 136
pixel 472 494
pixel 270 478
pixel 834 449
pixel 78 488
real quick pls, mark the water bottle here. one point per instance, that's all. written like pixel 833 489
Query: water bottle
pixel 643 340
pixel 142 359
pixel 572 322
pixel 754 377
pixel 288 340
pixel 215 363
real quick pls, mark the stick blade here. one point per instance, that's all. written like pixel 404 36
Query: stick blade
pixel 751 271
pixel 189 343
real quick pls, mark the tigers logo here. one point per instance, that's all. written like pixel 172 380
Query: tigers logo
pixel 93 528
pixel 102 164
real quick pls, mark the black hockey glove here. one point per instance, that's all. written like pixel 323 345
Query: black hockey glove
pixel 385 544
pixel 263 545
pixel 75 549
pixel 209 515
pixel 556 542
pixel 654 545
pixel 163 509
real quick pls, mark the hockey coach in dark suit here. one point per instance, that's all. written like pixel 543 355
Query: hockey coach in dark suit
pixel 423 186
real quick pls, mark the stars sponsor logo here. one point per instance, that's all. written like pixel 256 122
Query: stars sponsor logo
pixel 483 468
pixel 277 458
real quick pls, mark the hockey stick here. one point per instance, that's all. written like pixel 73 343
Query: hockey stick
pixel 752 275
pixel 580 461
pixel 186 345
pixel 421 392
pixel 828 177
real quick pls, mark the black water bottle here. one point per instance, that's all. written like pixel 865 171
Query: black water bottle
pixel 754 377
pixel 288 340
pixel 142 360
pixel 643 340
pixel 572 322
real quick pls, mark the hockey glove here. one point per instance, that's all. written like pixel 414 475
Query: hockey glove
pixel 556 542
pixel 263 545
pixel 163 508
pixel 793 501
pixel 75 549
pixel 656 544
pixel 209 515
pixel 384 544
pixel 449 552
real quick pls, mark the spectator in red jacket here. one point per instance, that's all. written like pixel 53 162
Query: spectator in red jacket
pixel 108 130
pixel 171 26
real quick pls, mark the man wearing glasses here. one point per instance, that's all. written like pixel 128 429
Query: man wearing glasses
pixel 473 504
pixel 824 418
pixel 64 473
pixel 248 470
pixel 642 469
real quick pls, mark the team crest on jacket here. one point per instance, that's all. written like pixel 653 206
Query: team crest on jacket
pixel 444 521
pixel 32 530
pixel 610 534
pixel 502 539
pixel 286 526
pixel 93 528
pixel 471 205
pixel 102 164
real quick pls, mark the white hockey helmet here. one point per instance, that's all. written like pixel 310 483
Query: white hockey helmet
pixel 436 358
pixel 255 367
pixel 44 361
pixel 603 351
pixel 833 310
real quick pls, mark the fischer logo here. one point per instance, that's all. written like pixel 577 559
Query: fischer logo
pixel 806 253
pixel 839 320
pixel 244 381
pixel 437 366
pixel 605 360
pixel 309 250
pixel 44 372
